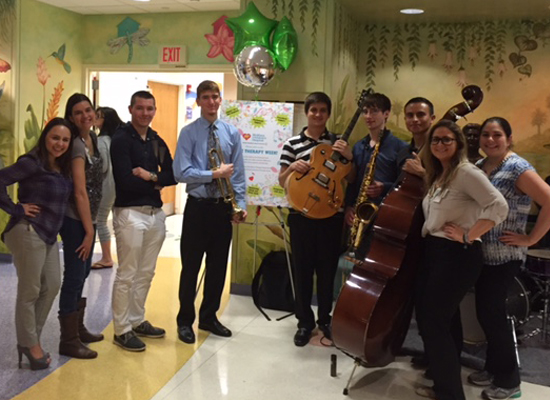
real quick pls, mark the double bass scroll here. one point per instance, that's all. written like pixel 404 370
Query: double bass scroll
pixel 473 96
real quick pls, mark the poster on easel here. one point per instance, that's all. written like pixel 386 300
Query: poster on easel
pixel 264 128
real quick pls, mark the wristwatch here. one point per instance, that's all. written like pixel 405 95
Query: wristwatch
pixel 154 177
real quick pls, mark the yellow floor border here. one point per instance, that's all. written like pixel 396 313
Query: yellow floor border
pixel 122 375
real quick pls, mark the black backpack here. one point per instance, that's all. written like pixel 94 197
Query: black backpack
pixel 271 287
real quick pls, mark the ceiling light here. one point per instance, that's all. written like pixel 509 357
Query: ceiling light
pixel 411 11
pixel 142 0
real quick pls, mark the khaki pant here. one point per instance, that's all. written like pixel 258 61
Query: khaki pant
pixel 39 279
pixel 139 233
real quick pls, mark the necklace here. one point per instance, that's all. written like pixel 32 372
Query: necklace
pixel 499 166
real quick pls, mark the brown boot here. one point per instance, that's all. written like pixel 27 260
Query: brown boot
pixel 70 344
pixel 85 335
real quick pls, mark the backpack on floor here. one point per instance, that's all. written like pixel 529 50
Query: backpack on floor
pixel 271 287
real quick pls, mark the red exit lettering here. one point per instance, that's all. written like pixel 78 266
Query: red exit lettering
pixel 170 54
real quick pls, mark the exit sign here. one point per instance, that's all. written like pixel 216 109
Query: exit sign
pixel 172 56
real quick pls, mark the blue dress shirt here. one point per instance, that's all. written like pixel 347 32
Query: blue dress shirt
pixel 191 164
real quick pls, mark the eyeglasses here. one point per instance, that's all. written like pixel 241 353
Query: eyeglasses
pixel 445 140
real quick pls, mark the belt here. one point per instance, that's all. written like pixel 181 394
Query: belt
pixel 150 210
pixel 207 200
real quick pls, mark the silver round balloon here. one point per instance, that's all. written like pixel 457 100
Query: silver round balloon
pixel 255 66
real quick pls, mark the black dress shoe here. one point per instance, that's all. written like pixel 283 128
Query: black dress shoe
pixel 215 327
pixel 325 328
pixel 186 334
pixel 302 336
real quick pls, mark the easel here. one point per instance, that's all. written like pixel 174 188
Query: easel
pixel 281 223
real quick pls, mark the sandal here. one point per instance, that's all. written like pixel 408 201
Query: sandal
pixel 100 265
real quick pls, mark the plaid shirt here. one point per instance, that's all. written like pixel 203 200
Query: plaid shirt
pixel 49 190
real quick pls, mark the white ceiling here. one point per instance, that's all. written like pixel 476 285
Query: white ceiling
pixel 140 7
pixel 363 10
pixel 447 10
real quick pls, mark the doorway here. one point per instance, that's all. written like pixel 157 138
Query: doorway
pixel 176 107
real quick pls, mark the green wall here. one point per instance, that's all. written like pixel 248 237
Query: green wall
pixel 42 31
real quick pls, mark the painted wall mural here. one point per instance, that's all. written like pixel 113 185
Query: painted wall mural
pixel 59 56
pixel 221 41
pixel 129 32
pixel 508 59
pixel 302 11
pixel 7 108
pixel 32 126
pixel 458 48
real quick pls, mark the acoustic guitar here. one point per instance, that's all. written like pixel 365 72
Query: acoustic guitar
pixel 319 193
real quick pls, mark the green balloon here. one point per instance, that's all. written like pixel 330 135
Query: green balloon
pixel 251 29
pixel 285 43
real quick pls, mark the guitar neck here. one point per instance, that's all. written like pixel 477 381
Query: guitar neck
pixel 351 125
pixel 347 133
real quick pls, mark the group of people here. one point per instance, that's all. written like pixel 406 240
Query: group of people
pixel 474 234
pixel 474 230
pixel 69 183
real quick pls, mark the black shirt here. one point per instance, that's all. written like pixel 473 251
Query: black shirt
pixel 128 151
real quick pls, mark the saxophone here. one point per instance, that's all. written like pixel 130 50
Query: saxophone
pixel 224 184
pixel 365 210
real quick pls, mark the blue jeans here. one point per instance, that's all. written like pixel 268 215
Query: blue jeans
pixel 76 270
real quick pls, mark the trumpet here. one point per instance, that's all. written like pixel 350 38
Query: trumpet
pixel 216 157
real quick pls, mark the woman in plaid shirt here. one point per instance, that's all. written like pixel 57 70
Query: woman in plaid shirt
pixel 31 233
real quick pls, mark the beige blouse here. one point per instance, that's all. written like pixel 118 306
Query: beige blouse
pixel 468 198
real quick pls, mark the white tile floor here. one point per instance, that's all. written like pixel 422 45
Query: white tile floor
pixel 260 361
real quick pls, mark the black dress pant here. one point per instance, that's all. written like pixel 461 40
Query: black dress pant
pixel 451 269
pixel 315 250
pixel 206 230
pixel 491 293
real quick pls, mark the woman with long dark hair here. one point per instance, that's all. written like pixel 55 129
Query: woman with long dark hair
pixel 31 233
pixel 460 206
pixel 78 230
pixel 504 251
pixel 107 121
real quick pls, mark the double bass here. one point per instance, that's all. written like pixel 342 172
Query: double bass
pixel 374 308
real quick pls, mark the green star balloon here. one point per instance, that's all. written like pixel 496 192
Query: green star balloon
pixel 285 43
pixel 252 28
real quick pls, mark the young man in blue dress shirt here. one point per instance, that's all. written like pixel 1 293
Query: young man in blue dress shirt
pixel 207 217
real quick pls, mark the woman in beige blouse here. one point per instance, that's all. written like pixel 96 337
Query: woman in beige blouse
pixel 459 207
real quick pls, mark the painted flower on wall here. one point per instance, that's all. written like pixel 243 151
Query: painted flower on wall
pixel 42 72
pixel 473 54
pixel 4 66
pixel 32 126
pixel 501 67
pixel 448 64
pixel 222 41
pixel 432 50
pixel 462 82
